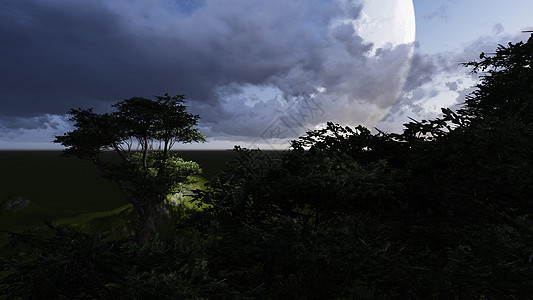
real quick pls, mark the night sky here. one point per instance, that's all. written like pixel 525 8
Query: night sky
pixel 258 72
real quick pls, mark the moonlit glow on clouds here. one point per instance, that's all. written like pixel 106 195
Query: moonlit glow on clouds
pixel 258 72
pixel 449 33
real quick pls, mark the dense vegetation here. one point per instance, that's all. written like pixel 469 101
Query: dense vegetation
pixel 442 210
pixel 142 133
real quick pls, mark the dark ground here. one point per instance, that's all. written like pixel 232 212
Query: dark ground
pixel 56 182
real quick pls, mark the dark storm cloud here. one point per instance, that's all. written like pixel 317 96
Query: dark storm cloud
pixel 62 54
pixel 32 129
pixel 59 54
pixel 422 70
pixel 53 52
pixel 42 121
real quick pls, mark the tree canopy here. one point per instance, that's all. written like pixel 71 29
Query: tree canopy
pixel 142 132
pixel 505 88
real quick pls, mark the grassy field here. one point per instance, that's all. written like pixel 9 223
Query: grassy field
pixel 63 188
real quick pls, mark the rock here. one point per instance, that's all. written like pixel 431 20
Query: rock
pixel 15 204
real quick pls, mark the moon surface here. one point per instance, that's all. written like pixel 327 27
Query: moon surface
pixel 389 26
pixel 385 22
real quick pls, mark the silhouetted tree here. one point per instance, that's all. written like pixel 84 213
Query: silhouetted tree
pixel 505 90
pixel 450 199
pixel 142 132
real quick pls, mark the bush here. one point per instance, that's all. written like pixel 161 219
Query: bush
pixel 70 264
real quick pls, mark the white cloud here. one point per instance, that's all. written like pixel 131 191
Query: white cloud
pixel 439 81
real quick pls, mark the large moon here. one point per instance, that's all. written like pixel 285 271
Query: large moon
pixel 389 26
pixel 385 22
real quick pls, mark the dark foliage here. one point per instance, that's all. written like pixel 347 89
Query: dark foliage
pixel 141 132
pixel 452 196
pixel 74 265
pixel 440 211
pixel 505 90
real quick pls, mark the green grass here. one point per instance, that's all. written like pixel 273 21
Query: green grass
pixel 52 181
pixel 31 218
pixel 67 183
pixel 71 191
pixel 119 222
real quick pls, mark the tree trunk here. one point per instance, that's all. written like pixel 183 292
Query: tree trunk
pixel 146 228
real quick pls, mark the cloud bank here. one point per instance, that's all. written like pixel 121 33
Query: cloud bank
pixel 440 80
pixel 244 65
